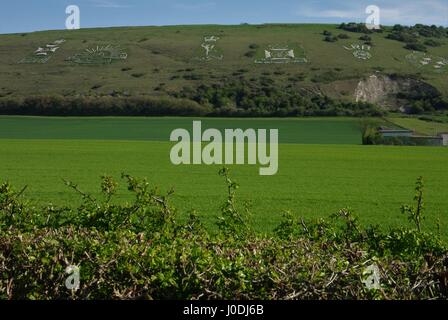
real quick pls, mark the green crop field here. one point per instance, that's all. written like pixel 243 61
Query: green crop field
pixel 322 167
pixel 308 131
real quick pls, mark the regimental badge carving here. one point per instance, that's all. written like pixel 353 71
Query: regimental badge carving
pixel 43 54
pixel 99 55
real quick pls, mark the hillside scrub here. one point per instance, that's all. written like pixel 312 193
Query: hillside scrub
pixel 259 98
pixel 239 98
pixel 408 34
pixel 418 30
pixel 357 27
pixel 412 35
pixel 138 250
pixel 244 98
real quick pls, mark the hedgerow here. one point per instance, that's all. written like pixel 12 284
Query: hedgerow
pixel 55 105
pixel 138 250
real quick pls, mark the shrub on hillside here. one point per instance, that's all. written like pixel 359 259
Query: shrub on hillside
pixel 371 136
pixel 250 54
pixel 331 39
pixel 415 47
pixel 403 37
pixel 343 36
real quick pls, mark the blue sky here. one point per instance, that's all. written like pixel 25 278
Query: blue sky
pixel 34 15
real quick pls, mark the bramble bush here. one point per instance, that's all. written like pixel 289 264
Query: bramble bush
pixel 137 250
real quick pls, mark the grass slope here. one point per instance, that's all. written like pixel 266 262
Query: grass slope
pixel 168 56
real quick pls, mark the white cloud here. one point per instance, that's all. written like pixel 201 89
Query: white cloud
pixel 194 6
pixel 407 12
pixel 108 4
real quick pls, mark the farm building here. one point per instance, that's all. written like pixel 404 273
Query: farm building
pixel 408 137
pixel 395 132
pixel 444 137
pixel 436 141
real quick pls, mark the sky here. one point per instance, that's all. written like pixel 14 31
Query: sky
pixel 35 15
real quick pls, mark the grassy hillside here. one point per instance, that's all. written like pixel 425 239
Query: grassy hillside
pixel 166 59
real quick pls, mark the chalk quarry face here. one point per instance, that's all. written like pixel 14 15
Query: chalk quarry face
pixel 383 90
pixel 376 89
